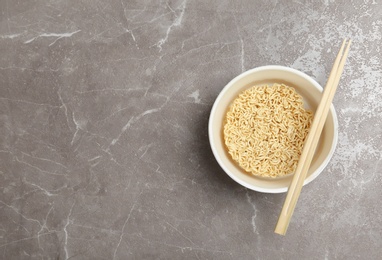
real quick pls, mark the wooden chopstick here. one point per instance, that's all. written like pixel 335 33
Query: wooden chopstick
pixel 312 140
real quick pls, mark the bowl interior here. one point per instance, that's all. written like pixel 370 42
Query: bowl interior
pixel 311 92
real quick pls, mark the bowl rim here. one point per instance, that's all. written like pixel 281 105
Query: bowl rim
pixel 215 107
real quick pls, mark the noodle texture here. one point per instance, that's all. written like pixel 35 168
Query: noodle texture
pixel 265 129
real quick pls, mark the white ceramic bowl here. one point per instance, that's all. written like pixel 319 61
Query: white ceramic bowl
pixel 311 92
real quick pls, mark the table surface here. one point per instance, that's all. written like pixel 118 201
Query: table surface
pixel 104 148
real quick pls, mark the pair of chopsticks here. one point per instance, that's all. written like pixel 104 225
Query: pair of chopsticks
pixel 312 140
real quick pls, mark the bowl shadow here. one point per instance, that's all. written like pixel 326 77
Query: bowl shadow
pixel 215 174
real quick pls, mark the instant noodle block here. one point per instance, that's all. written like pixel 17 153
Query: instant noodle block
pixel 259 122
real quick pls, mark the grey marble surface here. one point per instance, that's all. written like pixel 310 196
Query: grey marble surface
pixel 104 151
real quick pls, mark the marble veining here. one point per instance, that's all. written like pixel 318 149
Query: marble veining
pixel 104 151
